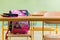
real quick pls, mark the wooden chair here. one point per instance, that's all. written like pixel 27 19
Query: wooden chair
pixel 52 36
pixel 11 25
pixel 49 29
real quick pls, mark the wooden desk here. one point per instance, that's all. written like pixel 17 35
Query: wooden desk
pixel 29 18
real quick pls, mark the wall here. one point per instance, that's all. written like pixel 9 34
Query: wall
pixel 31 5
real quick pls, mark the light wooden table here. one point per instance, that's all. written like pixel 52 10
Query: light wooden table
pixel 27 18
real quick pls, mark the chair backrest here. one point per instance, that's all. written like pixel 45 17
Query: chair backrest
pixel 19 24
pixel 52 14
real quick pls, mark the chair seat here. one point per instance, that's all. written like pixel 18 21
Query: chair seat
pixel 18 35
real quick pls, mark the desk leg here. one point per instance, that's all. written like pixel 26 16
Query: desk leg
pixel 56 28
pixel 2 30
pixel 32 34
pixel 43 30
pixel 32 30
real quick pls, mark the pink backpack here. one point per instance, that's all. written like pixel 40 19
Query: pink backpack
pixel 18 26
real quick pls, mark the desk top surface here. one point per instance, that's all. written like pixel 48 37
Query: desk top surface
pixel 30 18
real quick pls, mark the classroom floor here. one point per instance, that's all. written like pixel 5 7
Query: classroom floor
pixel 37 36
